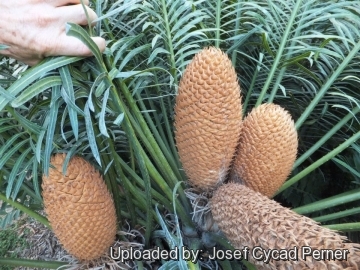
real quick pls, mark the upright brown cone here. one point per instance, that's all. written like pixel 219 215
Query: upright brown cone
pixel 208 118
pixel 79 207
pixel 249 219
pixel 267 149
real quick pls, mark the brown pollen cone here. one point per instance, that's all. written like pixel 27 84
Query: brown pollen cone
pixel 79 207
pixel 267 149
pixel 250 219
pixel 208 118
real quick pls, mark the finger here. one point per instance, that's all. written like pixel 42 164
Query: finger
pixel 76 14
pixel 72 46
pixel 60 3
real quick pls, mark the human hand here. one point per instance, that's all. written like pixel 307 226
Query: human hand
pixel 35 29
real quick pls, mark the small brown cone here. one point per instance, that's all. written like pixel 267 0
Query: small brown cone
pixel 249 219
pixel 208 118
pixel 79 207
pixel 267 149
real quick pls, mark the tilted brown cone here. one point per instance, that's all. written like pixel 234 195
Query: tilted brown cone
pixel 79 207
pixel 249 219
pixel 208 118
pixel 267 149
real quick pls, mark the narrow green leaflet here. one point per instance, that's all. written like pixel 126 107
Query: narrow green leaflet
pixel 91 134
pixel 347 166
pixel 5 128
pixel 123 6
pixel 71 153
pixel 54 107
pixel 36 89
pixel 75 30
pixel 11 152
pixel 68 88
pixel 102 124
pixel 8 144
pixel 168 236
pixel 98 81
pixel 71 103
pixel 6 95
pixel 327 85
pixel 128 74
pixel 27 124
pixel 9 218
pixel 132 54
pixel 100 90
pixel 35 73
pixel 35 177
pixel 40 139
pixel 119 119
pixel 155 53
pixel 15 173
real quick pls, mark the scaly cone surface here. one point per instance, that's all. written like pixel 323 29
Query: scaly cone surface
pixel 79 207
pixel 249 219
pixel 267 149
pixel 208 118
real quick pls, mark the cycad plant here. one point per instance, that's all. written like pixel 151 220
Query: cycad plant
pixel 116 109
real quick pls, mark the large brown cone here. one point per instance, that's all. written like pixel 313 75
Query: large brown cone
pixel 208 118
pixel 267 149
pixel 249 219
pixel 79 207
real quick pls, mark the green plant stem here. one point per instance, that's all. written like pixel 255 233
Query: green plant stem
pixel 345 227
pixel 287 57
pixel 161 182
pixel 161 199
pixel 326 137
pixel 125 184
pixel 169 40
pixel 158 125
pixel 342 198
pixel 327 85
pixel 279 52
pixel 155 149
pixel 251 88
pixel 26 210
pixel 338 215
pixel 170 46
pixel 142 165
pixel 166 115
pixel 32 263
pixel 159 140
pixel 237 31
pixel 319 162
pixel 117 103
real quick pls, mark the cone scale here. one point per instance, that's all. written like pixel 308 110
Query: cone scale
pixel 79 207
